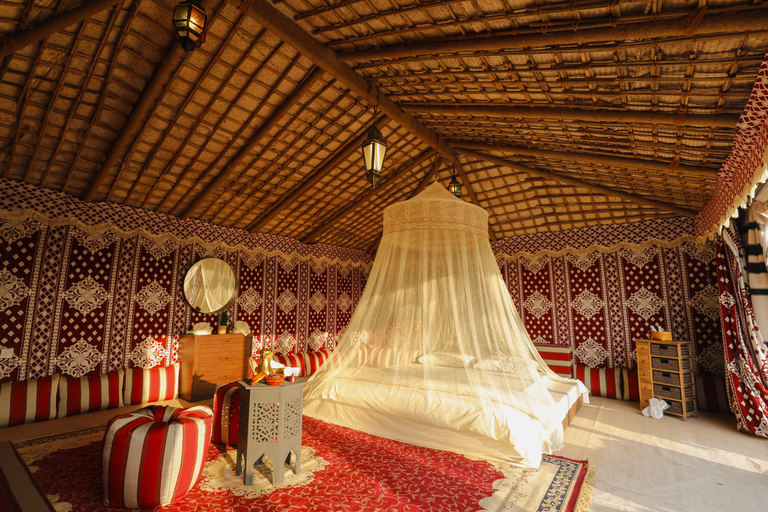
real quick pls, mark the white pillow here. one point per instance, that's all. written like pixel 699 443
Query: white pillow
pixel 446 359
pixel 509 364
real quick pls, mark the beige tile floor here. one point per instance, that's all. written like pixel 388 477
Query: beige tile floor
pixel 703 464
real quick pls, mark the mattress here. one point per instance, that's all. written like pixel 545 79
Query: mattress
pixel 496 420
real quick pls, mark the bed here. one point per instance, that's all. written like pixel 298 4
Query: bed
pixel 488 420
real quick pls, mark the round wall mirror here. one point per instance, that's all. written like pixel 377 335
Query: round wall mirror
pixel 210 286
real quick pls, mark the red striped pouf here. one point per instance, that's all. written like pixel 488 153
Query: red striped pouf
pixel 152 457
pixel 226 413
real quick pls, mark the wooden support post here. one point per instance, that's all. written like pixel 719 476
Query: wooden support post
pixel 610 161
pixel 311 179
pixel 727 121
pixel 579 183
pixel 270 123
pixel 460 169
pixel 15 42
pixel 367 196
pixel 273 20
pixel 717 23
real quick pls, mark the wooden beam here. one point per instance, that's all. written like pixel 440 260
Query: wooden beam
pixel 312 178
pixel 597 116
pixel 579 183
pixel 15 42
pixel 467 185
pixel 273 20
pixel 270 123
pixel 715 23
pixel 367 196
pixel 611 161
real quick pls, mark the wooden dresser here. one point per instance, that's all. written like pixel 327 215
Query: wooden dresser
pixel 209 360
pixel 665 370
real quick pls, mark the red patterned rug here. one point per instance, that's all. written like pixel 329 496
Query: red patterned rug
pixel 342 469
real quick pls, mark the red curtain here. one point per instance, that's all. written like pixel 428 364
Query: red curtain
pixel 745 350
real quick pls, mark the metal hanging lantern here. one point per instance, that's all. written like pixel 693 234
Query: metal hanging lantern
pixel 374 148
pixel 189 24
pixel 454 187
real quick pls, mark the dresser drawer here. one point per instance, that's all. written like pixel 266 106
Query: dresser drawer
pixel 673 378
pixel 666 350
pixel 673 392
pixel 644 372
pixel 677 408
pixel 643 349
pixel 663 363
pixel 228 352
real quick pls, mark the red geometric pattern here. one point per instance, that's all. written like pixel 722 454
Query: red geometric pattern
pixel 746 364
pixel 598 301
pixel 94 283
pixel 743 168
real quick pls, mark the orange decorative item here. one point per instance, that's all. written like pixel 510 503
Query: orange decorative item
pixel 275 379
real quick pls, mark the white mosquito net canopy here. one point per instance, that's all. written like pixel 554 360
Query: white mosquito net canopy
pixel 435 353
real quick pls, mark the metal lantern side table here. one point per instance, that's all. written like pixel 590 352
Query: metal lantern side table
pixel 270 424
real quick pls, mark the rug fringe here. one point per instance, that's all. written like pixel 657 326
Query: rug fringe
pixel 585 495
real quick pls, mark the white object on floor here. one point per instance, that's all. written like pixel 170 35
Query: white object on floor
pixel 656 408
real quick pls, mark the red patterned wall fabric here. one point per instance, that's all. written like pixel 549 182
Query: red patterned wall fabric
pixel 746 354
pixel 597 289
pixel 88 287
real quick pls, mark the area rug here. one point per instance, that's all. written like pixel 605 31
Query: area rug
pixel 342 470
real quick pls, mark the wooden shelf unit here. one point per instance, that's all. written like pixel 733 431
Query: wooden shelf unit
pixel 209 360
pixel 665 371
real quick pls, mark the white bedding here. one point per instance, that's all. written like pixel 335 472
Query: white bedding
pixel 450 413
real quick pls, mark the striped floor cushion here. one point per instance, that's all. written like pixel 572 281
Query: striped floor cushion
pixel 92 392
pixel 226 414
pixel 604 382
pixel 313 360
pixel 144 386
pixel 28 401
pixel 558 358
pixel 152 457
pixel 292 360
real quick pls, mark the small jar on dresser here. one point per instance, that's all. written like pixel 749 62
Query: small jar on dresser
pixel 665 371
pixel 209 360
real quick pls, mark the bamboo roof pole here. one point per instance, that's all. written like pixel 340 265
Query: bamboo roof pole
pixel 575 114
pixel 579 183
pixel 317 232
pixel 460 169
pixel 270 123
pixel 611 161
pixel 311 179
pixel 721 23
pixel 291 33
pixel 15 42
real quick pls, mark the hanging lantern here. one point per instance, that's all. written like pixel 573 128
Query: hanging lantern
pixel 454 187
pixel 374 149
pixel 189 24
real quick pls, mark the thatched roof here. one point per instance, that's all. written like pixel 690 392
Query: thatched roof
pixel 554 114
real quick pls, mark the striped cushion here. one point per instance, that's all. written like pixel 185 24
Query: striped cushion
pixel 314 360
pixel 143 386
pixel 711 394
pixel 292 360
pixel 226 414
pixel 605 382
pixel 92 392
pixel 630 386
pixel 152 457
pixel 557 357
pixel 28 401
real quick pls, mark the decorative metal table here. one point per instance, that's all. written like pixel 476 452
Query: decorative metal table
pixel 270 425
